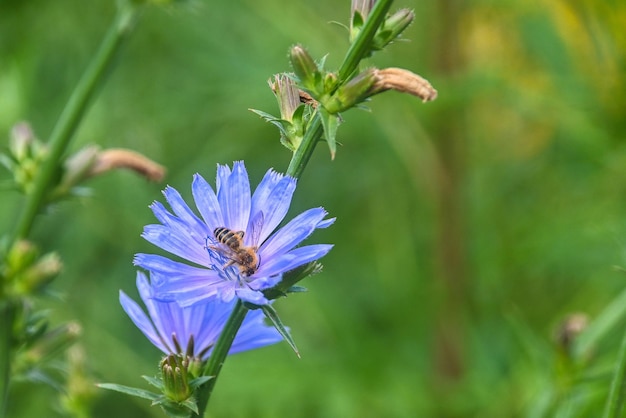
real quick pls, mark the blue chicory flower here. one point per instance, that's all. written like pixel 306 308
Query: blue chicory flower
pixel 247 219
pixel 171 327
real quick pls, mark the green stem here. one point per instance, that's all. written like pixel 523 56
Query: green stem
pixel 8 310
pixel 617 393
pixel 359 49
pixel 218 356
pixel 303 154
pixel 73 113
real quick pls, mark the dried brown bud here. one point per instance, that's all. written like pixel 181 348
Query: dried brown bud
pixel 404 81
pixel 114 158
pixel 569 329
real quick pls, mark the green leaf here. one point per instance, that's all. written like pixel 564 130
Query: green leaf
pixel 157 383
pixel 199 381
pixel 140 393
pixel 264 115
pixel 611 316
pixel 330 123
pixel 271 314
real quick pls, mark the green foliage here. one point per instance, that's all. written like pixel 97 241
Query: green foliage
pixel 519 166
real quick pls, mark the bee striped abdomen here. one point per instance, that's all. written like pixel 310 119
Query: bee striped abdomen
pixel 232 239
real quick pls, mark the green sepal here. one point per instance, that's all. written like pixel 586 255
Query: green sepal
pixel 330 123
pixel 297 289
pixel 290 133
pixel 272 315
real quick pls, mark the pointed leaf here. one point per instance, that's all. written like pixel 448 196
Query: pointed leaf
pixel 199 381
pixel 157 383
pixel 140 393
pixel 330 123
pixel 271 314
pixel 264 115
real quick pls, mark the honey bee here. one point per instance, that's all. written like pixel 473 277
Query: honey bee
pixel 246 258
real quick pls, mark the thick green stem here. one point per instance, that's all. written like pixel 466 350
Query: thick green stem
pixel 72 115
pixel 8 311
pixel 57 145
pixel 218 356
pixel 358 50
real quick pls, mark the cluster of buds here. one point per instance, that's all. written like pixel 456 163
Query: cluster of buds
pixel 312 89
pixel 25 271
pixel 390 29
pixel 27 155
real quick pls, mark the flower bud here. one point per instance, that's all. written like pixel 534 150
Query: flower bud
pixel 360 9
pixel 22 138
pixel 21 256
pixel 392 27
pixel 39 274
pixel 352 93
pixel 305 68
pixel 174 371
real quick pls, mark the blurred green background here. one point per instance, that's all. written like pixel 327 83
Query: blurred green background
pixel 467 228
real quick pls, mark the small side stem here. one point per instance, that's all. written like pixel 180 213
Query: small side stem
pixel 218 356
pixel 73 113
pixel 8 310
pixel 617 393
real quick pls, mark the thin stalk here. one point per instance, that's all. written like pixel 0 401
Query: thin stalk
pixel 73 113
pixel 8 310
pixel 617 393
pixel 218 356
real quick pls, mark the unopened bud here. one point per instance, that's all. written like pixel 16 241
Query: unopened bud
pixel 392 27
pixel 21 256
pixel 22 137
pixel 174 371
pixel 305 68
pixel 39 274
pixel 352 93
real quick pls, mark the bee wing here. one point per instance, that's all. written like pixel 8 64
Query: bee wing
pixel 256 227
